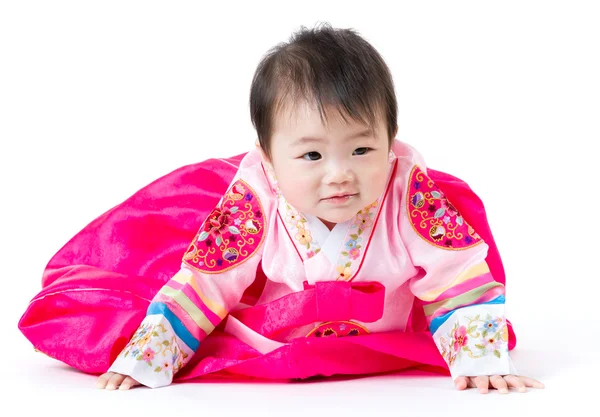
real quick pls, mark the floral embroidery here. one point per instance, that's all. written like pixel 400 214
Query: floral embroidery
pixel 148 345
pixel 338 329
pixel 299 229
pixel 363 221
pixel 434 218
pixel 477 338
pixel 231 234
pixel 344 272
pixel 303 236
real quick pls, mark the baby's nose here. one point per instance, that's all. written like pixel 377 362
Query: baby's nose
pixel 339 174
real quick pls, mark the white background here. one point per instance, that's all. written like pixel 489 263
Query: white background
pixel 97 99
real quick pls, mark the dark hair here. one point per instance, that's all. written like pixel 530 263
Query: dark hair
pixel 330 67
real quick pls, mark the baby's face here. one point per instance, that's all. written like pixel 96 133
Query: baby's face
pixel 329 171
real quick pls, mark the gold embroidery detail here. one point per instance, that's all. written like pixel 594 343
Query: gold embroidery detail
pixel 438 229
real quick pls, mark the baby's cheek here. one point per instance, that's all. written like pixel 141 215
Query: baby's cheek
pixel 374 181
pixel 296 194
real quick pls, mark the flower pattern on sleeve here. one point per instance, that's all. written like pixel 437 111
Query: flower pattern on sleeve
pixel 477 337
pixel 149 345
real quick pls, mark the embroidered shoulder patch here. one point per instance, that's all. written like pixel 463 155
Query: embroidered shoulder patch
pixel 231 234
pixel 434 218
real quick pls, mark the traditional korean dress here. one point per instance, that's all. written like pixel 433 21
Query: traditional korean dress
pixel 338 301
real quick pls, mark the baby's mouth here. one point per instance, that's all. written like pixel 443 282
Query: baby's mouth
pixel 340 198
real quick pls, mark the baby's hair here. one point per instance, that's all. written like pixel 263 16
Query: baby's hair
pixel 328 67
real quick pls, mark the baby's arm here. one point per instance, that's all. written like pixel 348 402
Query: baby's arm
pixel 463 303
pixel 218 266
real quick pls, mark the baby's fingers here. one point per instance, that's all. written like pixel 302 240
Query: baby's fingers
pixel 516 382
pixel 461 383
pixel 115 381
pixel 128 383
pixel 532 383
pixel 482 383
pixel 103 380
pixel 499 383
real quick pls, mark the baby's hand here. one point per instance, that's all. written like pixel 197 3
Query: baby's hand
pixel 501 383
pixel 111 381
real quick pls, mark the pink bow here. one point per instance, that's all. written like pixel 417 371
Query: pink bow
pixel 323 302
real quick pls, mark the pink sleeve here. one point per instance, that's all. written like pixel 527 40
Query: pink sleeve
pixel 218 266
pixel 463 303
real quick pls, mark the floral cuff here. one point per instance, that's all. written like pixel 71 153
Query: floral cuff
pixel 474 341
pixel 153 356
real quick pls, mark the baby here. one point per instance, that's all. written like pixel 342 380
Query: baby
pixel 351 234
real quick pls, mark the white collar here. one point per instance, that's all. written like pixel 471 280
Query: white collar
pixel 330 241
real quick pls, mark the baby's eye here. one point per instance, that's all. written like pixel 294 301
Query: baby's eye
pixel 361 151
pixel 312 156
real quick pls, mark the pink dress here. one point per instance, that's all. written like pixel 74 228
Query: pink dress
pixel 404 283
